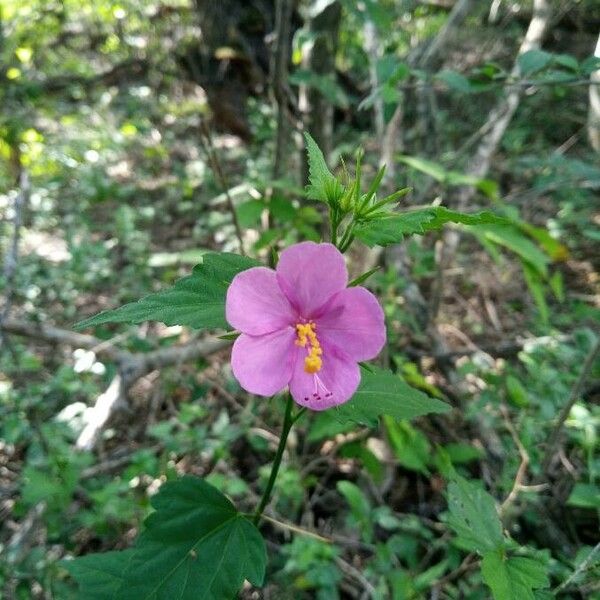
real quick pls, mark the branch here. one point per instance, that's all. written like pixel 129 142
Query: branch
pixel 130 367
pixel 501 115
pixel 130 370
pixel 457 16
pixel 573 397
pixel 580 569
pixel 121 72
pixel 55 335
pixel 213 157
pixel 12 253
pixel 522 470
pixel 279 78
pixel 503 350
pixel 423 59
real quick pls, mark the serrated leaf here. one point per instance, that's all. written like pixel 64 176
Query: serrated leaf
pixel 392 229
pixel 196 301
pixel 381 393
pixel 99 575
pixel 513 578
pixel 196 546
pixel 323 185
pixel 473 517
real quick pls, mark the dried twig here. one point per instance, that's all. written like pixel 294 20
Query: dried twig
pixel 213 157
pixel 355 574
pixel 583 566
pixel 22 539
pixel 469 563
pixel 130 367
pixel 564 413
pixel 522 470
pixel 296 529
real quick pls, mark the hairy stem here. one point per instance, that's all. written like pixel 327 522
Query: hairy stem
pixel 288 422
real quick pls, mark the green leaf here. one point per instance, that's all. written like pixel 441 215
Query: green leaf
pixel 590 64
pixel 455 81
pixel 362 278
pixel 325 84
pixel 512 238
pixel 513 578
pixel 567 61
pixel 249 213
pixel 360 507
pixel 449 177
pixel 410 446
pixel 535 283
pixel 282 209
pixel 196 546
pixel 99 575
pixel 473 517
pixel 323 185
pixel 585 495
pixel 196 301
pixel 533 61
pixel 382 392
pixel 358 502
pixel 517 393
pixel 392 229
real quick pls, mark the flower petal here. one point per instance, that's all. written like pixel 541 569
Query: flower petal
pixel 255 303
pixel 309 274
pixel 263 364
pixel 334 384
pixel 353 321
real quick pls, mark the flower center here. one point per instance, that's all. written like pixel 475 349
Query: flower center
pixel 307 338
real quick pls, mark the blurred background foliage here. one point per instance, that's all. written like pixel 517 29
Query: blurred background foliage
pixel 137 135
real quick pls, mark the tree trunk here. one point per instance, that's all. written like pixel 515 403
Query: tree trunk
pixel 320 59
pixel 594 111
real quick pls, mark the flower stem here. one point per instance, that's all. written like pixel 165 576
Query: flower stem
pixel 334 225
pixel 347 238
pixel 288 422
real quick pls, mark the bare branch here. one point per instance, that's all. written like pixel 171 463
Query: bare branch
pixel 213 158
pixel 130 367
pixel 424 59
pixel 573 397
pixel 501 115
pixel 12 253
pixel 522 470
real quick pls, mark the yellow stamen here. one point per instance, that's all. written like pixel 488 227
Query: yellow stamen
pixel 306 336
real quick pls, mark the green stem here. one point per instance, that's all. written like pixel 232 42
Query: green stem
pixel 346 238
pixel 288 422
pixel 334 225
pixel 347 245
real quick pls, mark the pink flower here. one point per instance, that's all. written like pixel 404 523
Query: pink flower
pixel 301 327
